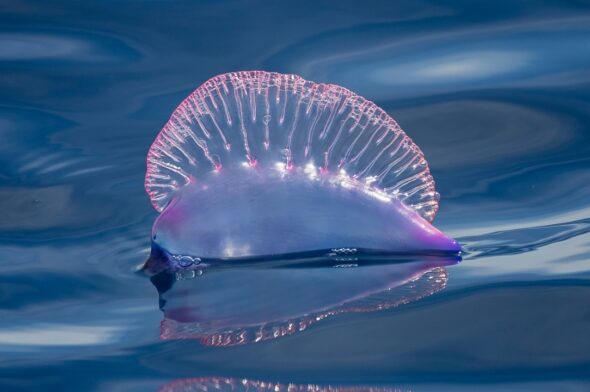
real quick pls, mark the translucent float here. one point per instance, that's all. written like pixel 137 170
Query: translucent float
pixel 258 164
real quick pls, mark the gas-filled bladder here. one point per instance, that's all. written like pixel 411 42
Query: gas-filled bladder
pixel 257 164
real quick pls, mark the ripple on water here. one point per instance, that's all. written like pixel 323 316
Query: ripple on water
pixel 467 135
pixel 65 46
pixel 53 189
pixel 522 240
pixel 22 134
pixel 443 61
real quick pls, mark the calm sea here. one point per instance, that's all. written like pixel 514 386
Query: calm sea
pixel 496 93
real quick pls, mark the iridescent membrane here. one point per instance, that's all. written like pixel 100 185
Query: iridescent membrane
pixel 258 163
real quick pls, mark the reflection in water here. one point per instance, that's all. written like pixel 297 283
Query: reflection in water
pixel 232 384
pixel 517 241
pixel 240 305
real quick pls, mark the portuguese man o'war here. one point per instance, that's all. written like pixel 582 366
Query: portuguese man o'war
pixel 262 164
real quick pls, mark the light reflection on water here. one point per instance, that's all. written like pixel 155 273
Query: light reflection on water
pixel 495 95
pixel 225 384
pixel 240 306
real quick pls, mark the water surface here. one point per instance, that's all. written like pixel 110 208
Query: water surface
pixel 497 95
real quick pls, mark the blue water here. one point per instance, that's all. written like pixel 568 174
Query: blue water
pixel 497 94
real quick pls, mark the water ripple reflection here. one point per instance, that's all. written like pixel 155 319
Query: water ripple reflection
pixel 227 384
pixel 516 241
pixel 66 46
pixel 237 306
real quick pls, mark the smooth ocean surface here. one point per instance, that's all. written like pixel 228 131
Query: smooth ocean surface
pixel 497 95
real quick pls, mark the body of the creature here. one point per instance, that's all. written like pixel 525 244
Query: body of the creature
pixel 261 164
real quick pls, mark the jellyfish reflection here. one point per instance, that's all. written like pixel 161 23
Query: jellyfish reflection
pixel 228 306
pixel 235 385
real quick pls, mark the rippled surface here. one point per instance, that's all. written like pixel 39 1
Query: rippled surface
pixel 496 95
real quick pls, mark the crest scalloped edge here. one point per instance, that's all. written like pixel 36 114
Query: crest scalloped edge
pixel 260 118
